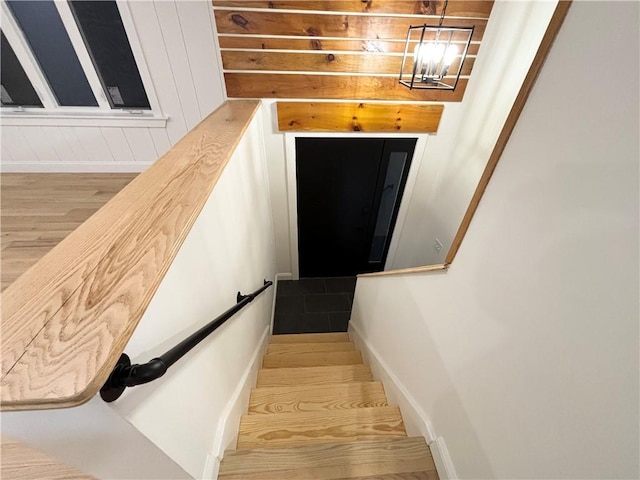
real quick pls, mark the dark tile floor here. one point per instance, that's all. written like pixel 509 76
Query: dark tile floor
pixel 314 305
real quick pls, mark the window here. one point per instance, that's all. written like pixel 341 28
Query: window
pixel 50 44
pixel 104 35
pixel 71 58
pixel 16 87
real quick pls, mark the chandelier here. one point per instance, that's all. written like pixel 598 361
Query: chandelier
pixel 438 55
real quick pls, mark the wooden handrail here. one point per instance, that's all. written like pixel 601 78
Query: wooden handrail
pixel 66 320
pixel 404 271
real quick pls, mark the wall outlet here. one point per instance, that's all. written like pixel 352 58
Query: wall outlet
pixel 437 245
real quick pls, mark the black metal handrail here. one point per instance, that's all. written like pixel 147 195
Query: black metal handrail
pixel 126 375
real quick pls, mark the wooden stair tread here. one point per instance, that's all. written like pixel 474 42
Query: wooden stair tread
pixel 285 348
pixel 366 458
pixel 317 398
pixel 313 359
pixel 310 338
pixel 282 377
pixel 291 429
pixel 424 475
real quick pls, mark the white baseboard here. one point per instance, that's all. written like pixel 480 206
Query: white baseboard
pixel 415 419
pixel 444 465
pixel 227 431
pixel 284 276
pixel 73 167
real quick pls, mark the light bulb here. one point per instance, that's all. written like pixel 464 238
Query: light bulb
pixel 424 52
pixel 438 52
pixel 450 55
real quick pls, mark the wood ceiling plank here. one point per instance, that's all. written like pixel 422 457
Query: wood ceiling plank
pixel 359 117
pixel 456 8
pixel 258 85
pixel 314 62
pixel 346 26
pixel 275 43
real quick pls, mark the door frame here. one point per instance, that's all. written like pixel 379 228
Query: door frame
pixel 292 189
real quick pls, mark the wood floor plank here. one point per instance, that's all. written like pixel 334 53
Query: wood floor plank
pixel 310 338
pixel 293 429
pixel 20 462
pixel 39 210
pixel 282 377
pixel 330 461
pixel 316 398
pixel 285 348
pixel 313 359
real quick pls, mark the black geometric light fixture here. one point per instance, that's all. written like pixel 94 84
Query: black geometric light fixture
pixel 438 55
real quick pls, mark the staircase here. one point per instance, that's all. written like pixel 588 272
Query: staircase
pixel 316 413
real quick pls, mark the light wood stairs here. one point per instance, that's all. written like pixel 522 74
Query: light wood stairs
pixel 316 413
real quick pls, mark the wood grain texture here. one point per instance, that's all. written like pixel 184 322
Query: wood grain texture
pixel 38 210
pixel 66 321
pixel 343 26
pixel 319 44
pixel 330 461
pixel 457 8
pixel 330 62
pixel 283 377
pixel 291 429
pixel 541 55
pixel 404 271
pixel 358 117
pixel 286 348
pixel 309 338
pixel 312 359
pixel 424 475
pixel 316 398
pixel 267 85
pixel 20 462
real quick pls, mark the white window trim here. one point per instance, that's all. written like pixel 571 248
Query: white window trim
pixel 69 22
pixel 52 113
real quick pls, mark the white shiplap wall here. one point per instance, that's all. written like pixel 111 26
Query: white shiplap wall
pixel 178 44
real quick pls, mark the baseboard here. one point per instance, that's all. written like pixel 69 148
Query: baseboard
pixel 284 276
pixel 415 419
pixel 73 167
pixel 227 431
pixel 442 459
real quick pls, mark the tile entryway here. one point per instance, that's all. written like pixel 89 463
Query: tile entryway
pixel 313 305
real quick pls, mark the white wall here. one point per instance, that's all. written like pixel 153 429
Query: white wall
pixel 456 156
pixel 179 49
pixel 524 355
pixel 94 439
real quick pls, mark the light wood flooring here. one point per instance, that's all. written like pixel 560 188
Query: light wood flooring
pixel 316 413
pixel 20 462
pixel 38 210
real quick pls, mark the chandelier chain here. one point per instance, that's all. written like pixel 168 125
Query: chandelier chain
pixel 444 12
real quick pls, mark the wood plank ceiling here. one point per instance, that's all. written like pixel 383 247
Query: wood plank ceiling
pixel 333 49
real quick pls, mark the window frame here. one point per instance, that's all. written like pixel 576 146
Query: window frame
pixel 53 114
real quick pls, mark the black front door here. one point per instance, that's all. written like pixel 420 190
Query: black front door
pixel 349 192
